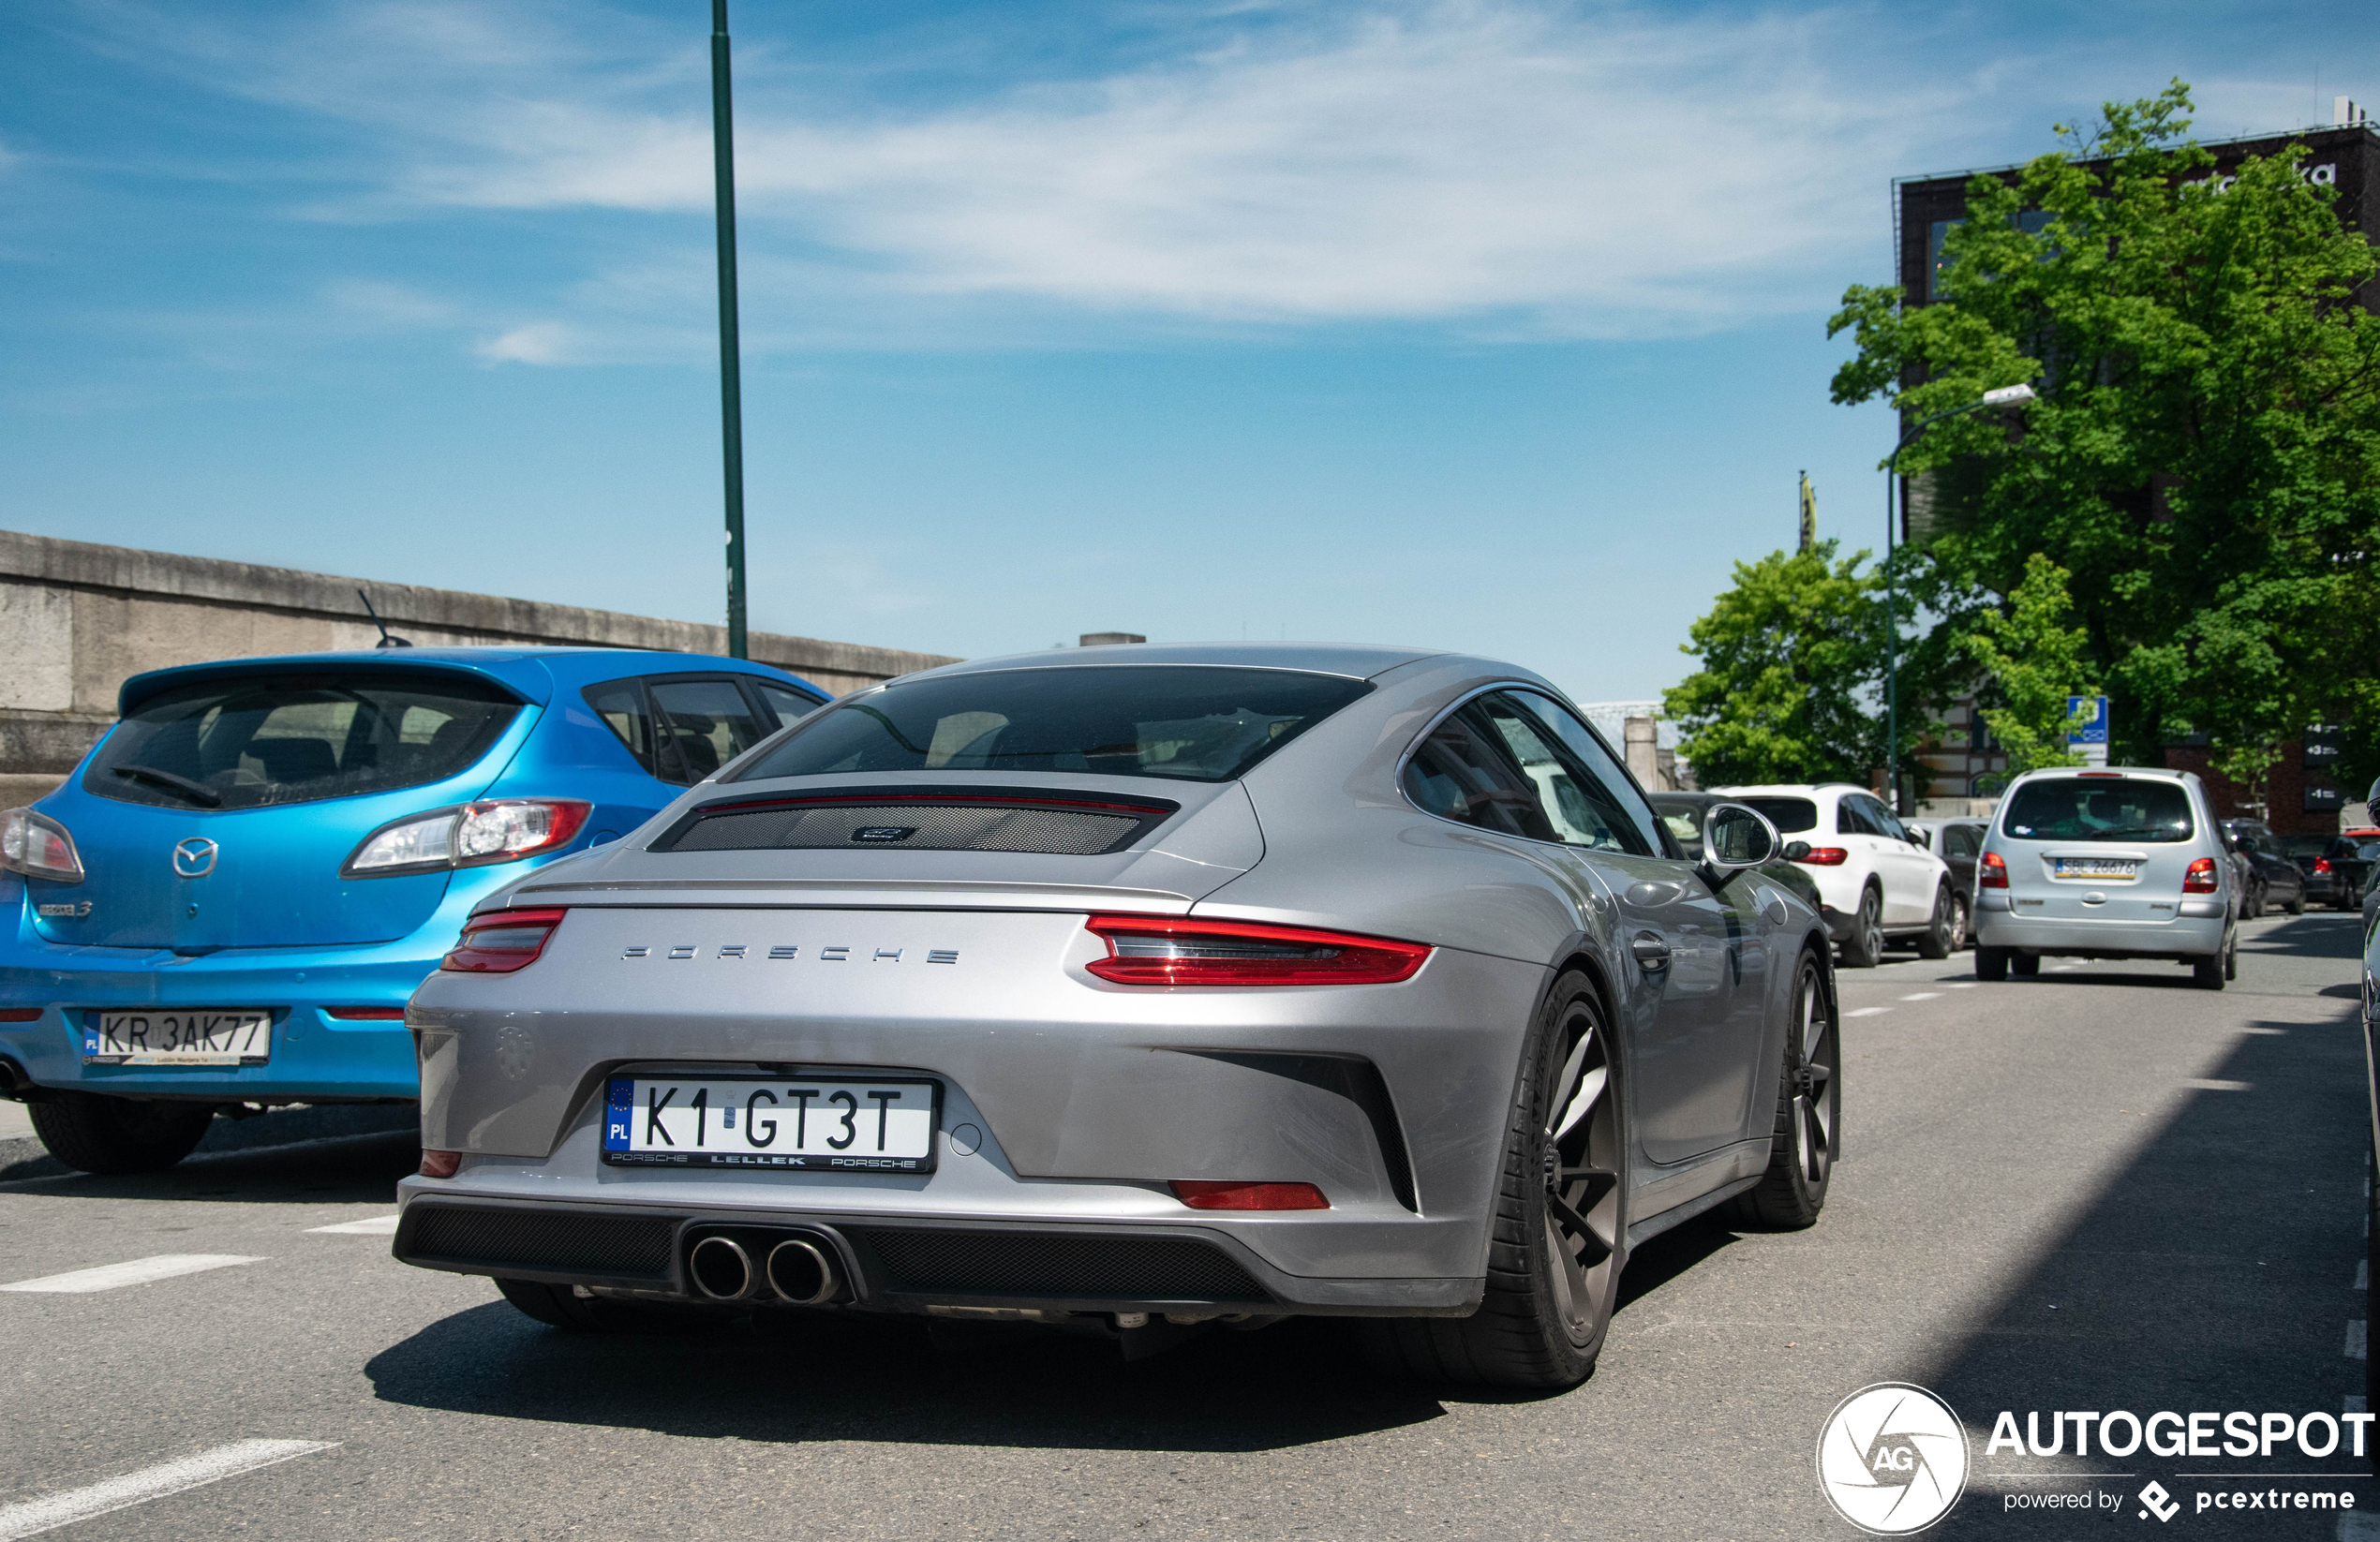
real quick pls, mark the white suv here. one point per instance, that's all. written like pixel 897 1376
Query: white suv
pixel 1875 876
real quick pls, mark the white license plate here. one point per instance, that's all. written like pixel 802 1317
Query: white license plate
pixel 2097 869
pixel 179 1036
pixel 850 1124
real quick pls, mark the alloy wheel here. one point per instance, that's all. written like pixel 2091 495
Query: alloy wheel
pixel 1581 1152
pixel 1815 1101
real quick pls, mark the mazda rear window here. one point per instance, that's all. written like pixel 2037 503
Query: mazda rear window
pixel 1184 722
pixel 1788 814
pixel 2125 808
pixel 250 740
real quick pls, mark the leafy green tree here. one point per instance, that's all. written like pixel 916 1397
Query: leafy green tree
pixel 2205 457
pixel 1793 657
pixel 2037 661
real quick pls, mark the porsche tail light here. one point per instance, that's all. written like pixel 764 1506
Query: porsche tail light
pixel 472 836
pixel 1163 950
pixel 441 1164
pixel 1825 857
pixel 1202 1195
pixel 1991 872
pixel 2200 879
pixel 501 942
pixel 38 846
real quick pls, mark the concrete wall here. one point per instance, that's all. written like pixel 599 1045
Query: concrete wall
pixel 77 618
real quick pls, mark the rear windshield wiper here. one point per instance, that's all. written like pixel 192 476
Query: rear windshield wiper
pixel 197 792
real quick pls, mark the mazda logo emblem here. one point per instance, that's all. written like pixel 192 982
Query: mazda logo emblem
pixel 194 857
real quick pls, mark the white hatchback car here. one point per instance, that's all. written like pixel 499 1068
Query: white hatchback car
pixel 1874 875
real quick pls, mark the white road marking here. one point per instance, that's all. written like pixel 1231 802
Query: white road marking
pixel 31 1516
pixel 2363 1276
pixel 1867 1012
pixel 2212 1084
pixel 379 1225
pixel 141 1271
pixel 1968 985
pixel 2355 1340
pixel 1924 996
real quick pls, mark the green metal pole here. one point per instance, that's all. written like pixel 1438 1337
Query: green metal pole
pixel 730 369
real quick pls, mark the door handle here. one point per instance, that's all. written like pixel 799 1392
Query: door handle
pixel 1652 953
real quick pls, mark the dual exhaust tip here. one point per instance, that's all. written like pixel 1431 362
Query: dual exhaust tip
pixel 796 1270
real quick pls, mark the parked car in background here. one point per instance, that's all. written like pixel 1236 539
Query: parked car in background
pixel 2125 862
pixel 2307 853
pixel 1879 881
pixel 1683 814
pixel 231 899
pixel 2344 857
pixel 2272 879
pixel 1958 842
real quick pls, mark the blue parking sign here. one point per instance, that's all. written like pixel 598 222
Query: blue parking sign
pixel 2093 729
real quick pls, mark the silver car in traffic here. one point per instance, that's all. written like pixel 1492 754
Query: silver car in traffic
pixel 1130 989
pixel 2122 863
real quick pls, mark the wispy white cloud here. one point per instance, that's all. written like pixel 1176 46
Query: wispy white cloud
pixel 1523 167
pixel 538 343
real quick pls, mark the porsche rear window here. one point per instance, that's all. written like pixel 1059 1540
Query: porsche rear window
pixel 2125 808
pixel 248 740
pixel 1184 722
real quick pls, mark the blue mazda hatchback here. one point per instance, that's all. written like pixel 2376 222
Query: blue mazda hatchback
pixel 229 900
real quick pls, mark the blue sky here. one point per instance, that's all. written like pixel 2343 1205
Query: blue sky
pixel 1495 325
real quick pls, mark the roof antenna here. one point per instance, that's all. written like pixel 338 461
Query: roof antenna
pixel 387 641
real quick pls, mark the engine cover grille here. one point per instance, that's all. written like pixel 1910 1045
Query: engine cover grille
pixel 1057 1265
pixel 914 827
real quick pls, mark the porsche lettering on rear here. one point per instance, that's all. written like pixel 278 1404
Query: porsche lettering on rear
pixel 836 954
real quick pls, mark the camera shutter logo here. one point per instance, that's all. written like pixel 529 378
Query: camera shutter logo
pixel 194 857
pixel 1892 1459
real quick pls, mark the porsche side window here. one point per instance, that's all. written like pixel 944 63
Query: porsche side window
pixel 1579 818
pixel 1464 772
pixel 1599 777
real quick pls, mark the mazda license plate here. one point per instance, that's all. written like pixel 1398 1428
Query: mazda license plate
pixel 843 1123
pixel 179 1036
pixel 2098 869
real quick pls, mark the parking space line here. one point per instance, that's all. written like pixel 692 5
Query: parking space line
pixel 1961 985
pixel 2364 1275
pixel 1867 1012
pixel 1922 996
pixel 32 1517
pixel 139 1271
pixel 2355 1340
pixel 379 1225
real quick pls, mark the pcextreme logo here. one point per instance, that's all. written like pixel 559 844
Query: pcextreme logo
pixel 1892 1459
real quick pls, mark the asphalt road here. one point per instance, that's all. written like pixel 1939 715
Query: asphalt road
pixel 2098 1189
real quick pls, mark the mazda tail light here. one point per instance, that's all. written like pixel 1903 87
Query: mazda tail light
pixel 1160 950
pixel 38 846
pixel 1991 872
pixel 472 836
pixel 501 942
pixel 2200 879
pixel 1202 1195
pixel 1825 857
pixel 364 1013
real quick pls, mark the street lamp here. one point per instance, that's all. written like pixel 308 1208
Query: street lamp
pixel 2015 395
pixel 731 371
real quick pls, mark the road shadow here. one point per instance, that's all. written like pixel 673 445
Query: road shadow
pixel 347 1170
pixel 2306 937
pixel 25 1158
pixel 815 1378
pixel 2212 1272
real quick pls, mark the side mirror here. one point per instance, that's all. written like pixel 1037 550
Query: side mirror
pixel 1735 838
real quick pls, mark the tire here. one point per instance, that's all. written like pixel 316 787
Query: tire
pixel 1939 939
pixel 2025 966
pixel 2298 907
pixel 105 1134
pixel 2206 973
pixel 1992 964
pixel 1557 1239
pixel 2252 907
pixel 1864 947
pixel 559 1306
pixel 2231 958
pixel 1964 926
pixel 1809 1111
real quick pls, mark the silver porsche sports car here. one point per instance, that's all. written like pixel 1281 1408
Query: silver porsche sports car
pixel 1134 988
